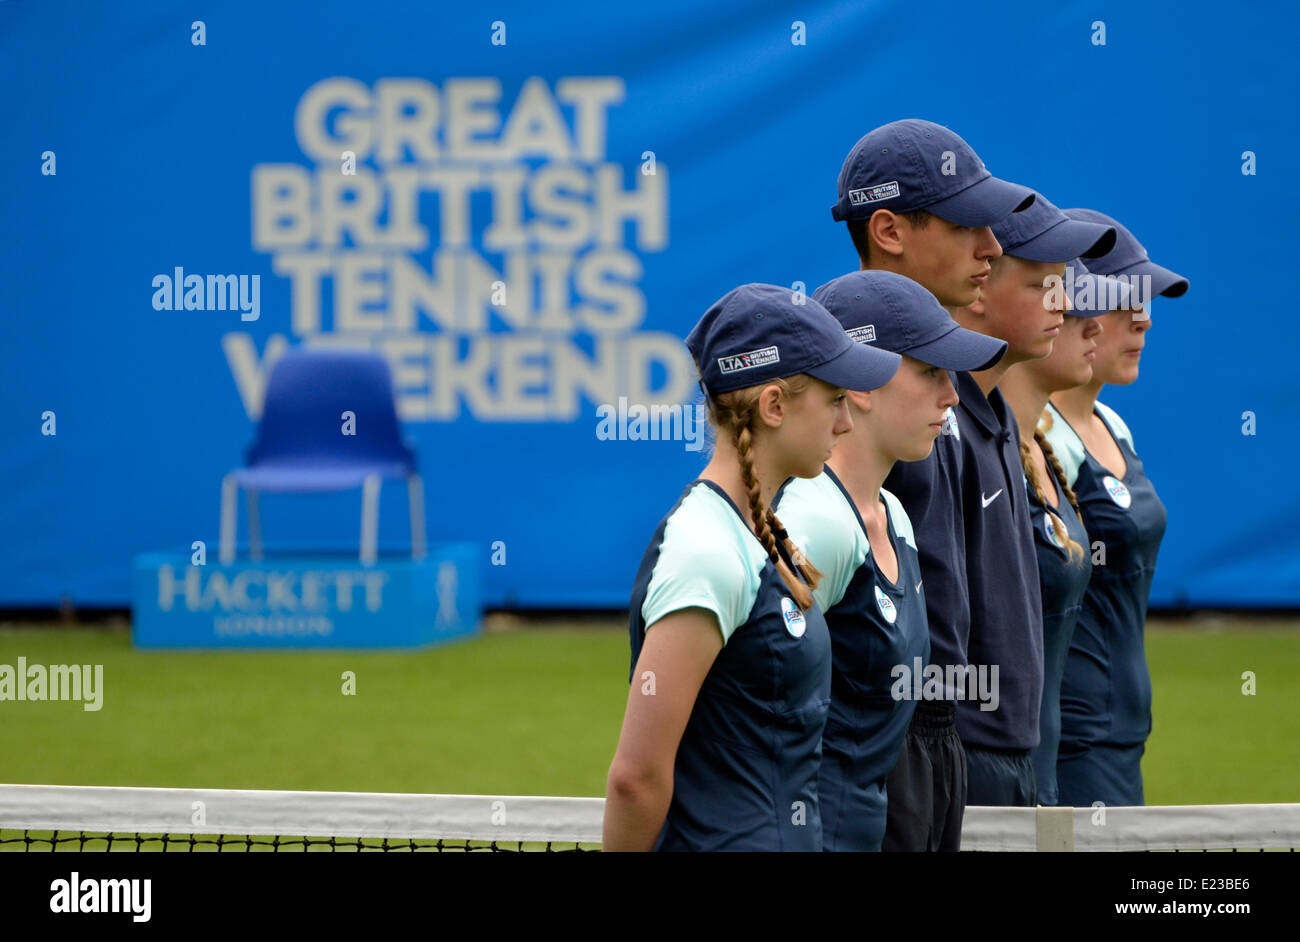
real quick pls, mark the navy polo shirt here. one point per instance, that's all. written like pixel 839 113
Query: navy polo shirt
pixel 1006 615
pixel 930 491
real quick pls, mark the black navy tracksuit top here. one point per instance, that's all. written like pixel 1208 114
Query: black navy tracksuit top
pixel 1006 614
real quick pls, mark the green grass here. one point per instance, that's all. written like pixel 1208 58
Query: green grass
pixel 523 712
pixel 1210 743
pixel 537 712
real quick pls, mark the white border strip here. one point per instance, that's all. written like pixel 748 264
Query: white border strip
pixel 300 814
pixel 508 819
pixel 1169 827
pixel 1151 827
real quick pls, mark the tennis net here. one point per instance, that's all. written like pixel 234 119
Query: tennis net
pixel 95 818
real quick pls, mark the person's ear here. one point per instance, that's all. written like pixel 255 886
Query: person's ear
pixel 859 400
pixel 771 406
pixel 883 229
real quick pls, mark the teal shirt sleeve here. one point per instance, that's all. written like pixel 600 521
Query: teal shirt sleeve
pixel 1118 424
pixel 709 560
pixel 823 526
pixel 1066 445
pixel 899 518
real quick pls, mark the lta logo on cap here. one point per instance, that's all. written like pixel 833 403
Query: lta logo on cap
pixel 873 194
pixel 747 361
pixel 795 623
pixel 1117 491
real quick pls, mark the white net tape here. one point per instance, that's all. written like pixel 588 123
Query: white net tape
pixel 508 819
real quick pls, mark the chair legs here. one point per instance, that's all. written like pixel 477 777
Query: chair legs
pixel 229 522
pixel 254 527
pixel 415 493
pixel 370 489
pixel 370 519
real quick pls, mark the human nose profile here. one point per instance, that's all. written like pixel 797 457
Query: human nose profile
pixel 989 247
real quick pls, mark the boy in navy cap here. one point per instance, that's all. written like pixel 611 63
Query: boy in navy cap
pixel 919 202
pixel 1024 304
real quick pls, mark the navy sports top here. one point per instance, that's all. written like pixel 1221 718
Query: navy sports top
pixel 1006 612
pixel 1062 582
pixel 876 626
pixel 745 776
pixel 1106 691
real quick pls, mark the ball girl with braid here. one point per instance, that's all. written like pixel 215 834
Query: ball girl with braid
pixel 1060 538
pixel 731 658
pixel 1106 691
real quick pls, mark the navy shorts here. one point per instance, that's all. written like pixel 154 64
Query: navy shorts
pixel 1101 772
pixel 926 792
pixel 1000 778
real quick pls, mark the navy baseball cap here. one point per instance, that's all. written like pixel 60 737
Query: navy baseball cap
pixel 913 164
pixel 1042 233
pixel 1129 258
pixel 757 333
pixel 1092 294
pixel 893 312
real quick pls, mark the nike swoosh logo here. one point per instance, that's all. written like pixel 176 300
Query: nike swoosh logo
pixel 918 585
pixel 988 500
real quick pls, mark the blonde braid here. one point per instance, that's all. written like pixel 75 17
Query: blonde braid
pixel 734 412
pixel 811 574
pixel 1055 464
pixel 762 529
pixel 1058 525
pixel 743 438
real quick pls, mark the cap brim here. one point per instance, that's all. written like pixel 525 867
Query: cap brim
pixel 860 367
pixel 960 349
pixel 984 203
pixel 1067 240
pixel 1164 283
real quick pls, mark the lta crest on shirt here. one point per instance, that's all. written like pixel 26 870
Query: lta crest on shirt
pixel 886 606
pixel 1050 530
pixel 950 425
pixel 1117 491
pixel 795 623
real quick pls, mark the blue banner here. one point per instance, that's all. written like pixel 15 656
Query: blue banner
pixel 305 601
pixel 526 209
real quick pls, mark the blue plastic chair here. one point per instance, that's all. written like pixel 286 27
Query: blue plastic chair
pixel 301 445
